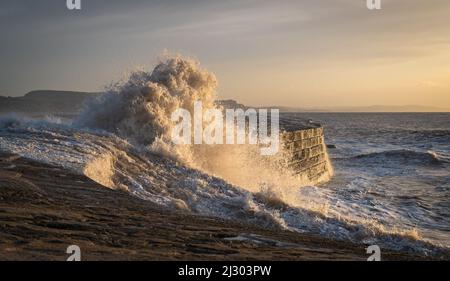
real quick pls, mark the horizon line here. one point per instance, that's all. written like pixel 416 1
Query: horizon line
pixel 290 108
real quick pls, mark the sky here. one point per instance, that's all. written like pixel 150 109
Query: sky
pixel 302 53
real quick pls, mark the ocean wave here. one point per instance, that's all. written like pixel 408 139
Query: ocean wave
pixel 117 164
pixel 122 141
pixel 405 156
pixel 433 133
pixel 140 108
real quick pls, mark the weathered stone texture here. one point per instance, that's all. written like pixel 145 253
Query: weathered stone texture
pixel 306 152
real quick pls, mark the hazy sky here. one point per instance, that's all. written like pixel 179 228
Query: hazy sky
pixel 283 52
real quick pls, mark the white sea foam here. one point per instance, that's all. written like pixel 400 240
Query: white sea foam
pixel 122 140
pixel 140 110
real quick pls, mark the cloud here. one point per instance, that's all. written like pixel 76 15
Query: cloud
pixel 45 45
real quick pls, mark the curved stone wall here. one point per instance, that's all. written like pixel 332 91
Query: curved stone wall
pixel 307 154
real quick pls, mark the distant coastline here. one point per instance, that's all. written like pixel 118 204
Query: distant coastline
pixel 367 109
pixel 72 101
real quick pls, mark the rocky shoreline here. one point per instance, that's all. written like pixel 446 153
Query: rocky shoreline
pixel 44 209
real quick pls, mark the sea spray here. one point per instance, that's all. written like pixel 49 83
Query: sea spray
pixel 213 133
pixel 148 175
pixel 141 109
pixel 127 131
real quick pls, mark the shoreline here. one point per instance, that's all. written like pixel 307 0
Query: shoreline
pixel 44 209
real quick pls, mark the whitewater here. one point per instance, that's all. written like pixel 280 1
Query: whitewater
pixel 122 140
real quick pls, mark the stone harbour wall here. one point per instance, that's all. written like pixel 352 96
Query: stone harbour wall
pixel 306 154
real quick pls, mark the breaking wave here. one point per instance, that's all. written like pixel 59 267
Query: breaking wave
pixel 405 157
pixel 140 109
pixel 122 140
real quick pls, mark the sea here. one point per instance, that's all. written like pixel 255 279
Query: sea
pixel 390 184
pixel 390 168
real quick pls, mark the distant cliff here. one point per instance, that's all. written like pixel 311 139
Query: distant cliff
pixel 62 102
pixel 41 102
pixel 230 104
pixel 70 102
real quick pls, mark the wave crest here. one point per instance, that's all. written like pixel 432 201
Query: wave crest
pixel 140 110
pixel 404 156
